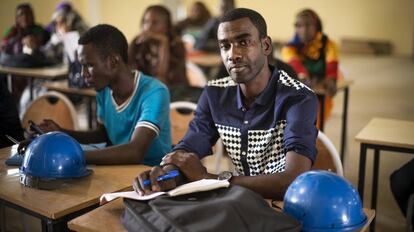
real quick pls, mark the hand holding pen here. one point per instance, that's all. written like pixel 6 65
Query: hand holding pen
pixel 157 179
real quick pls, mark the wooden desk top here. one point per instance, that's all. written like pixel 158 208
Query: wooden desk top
pixel 63 86
pixel 107 218
pixel 205 59
pixel 73 196
pixel 388 132
pixel 45 72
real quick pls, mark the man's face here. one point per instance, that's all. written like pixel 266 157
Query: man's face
pixel 243 53
pixel 24 17
pixel 94 68
pixel 305 28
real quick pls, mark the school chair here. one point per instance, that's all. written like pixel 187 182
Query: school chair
pixel 195 75
pixel 181 113
pixel 328 157
pixel 52 105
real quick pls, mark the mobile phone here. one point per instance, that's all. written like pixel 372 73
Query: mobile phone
pixel 35 128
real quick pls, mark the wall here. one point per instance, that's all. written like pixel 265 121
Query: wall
pixel 363 19
pixel 367 19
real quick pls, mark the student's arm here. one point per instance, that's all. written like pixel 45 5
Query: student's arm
pixel 153 116
pixel 129 153
pixel 163 52
pixel 94 136
pixel 269 186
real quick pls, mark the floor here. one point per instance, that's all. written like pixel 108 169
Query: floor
pixel 383 87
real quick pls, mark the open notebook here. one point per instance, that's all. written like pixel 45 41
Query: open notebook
pixel 192 187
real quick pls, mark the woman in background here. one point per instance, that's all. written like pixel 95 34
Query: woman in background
pixel 21 44
pixel 313 55
pixel 157 51
pixel 194 23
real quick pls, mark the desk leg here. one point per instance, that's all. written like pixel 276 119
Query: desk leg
pixel 2 219
pixel 321 112
pixel 361 175
pixel 344 123
pixel 375 185
pixel 49 225
pixel 9 82
pixel 31 88
pixel 90 112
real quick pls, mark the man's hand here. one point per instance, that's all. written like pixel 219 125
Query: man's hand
pixel 21 149
pixel 148 35
pixel 330 86
pixel 49 125
pixel 31 42
pixel 155 186
pixel 189 164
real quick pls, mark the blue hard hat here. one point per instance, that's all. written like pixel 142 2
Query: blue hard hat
pixel 324 201
pixel 54 155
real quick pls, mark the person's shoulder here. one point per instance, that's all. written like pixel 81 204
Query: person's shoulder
pixel 224 82
pixel 289 83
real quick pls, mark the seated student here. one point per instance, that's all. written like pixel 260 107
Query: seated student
pixel 313 55
pixel 65 19
pixel 157 51
pixel 194 23
pixel 208 38
pixel 265 118
pixel 132 108
pixel 20 45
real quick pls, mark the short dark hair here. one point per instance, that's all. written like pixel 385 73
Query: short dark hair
pixel 107 39
pixel 257 19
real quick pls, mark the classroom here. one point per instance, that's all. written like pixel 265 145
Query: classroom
pixel 113 111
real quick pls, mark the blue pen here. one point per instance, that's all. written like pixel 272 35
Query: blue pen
pixel 171 174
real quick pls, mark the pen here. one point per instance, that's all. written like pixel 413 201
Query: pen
pixel 35 128
pixel 12 139
pixel 171 174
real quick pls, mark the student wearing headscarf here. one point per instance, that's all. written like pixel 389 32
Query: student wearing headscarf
pixel 313 55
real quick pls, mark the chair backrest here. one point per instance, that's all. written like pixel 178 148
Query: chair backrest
pixel 181 113
pixel 195 75
pixel 328 157
pixel 52 105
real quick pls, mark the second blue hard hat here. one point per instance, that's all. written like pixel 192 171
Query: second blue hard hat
pixel 324 201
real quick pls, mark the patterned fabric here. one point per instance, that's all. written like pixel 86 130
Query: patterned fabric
pixel 281 119
pixel 318 57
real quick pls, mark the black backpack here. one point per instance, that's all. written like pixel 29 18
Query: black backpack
pixel 227 209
